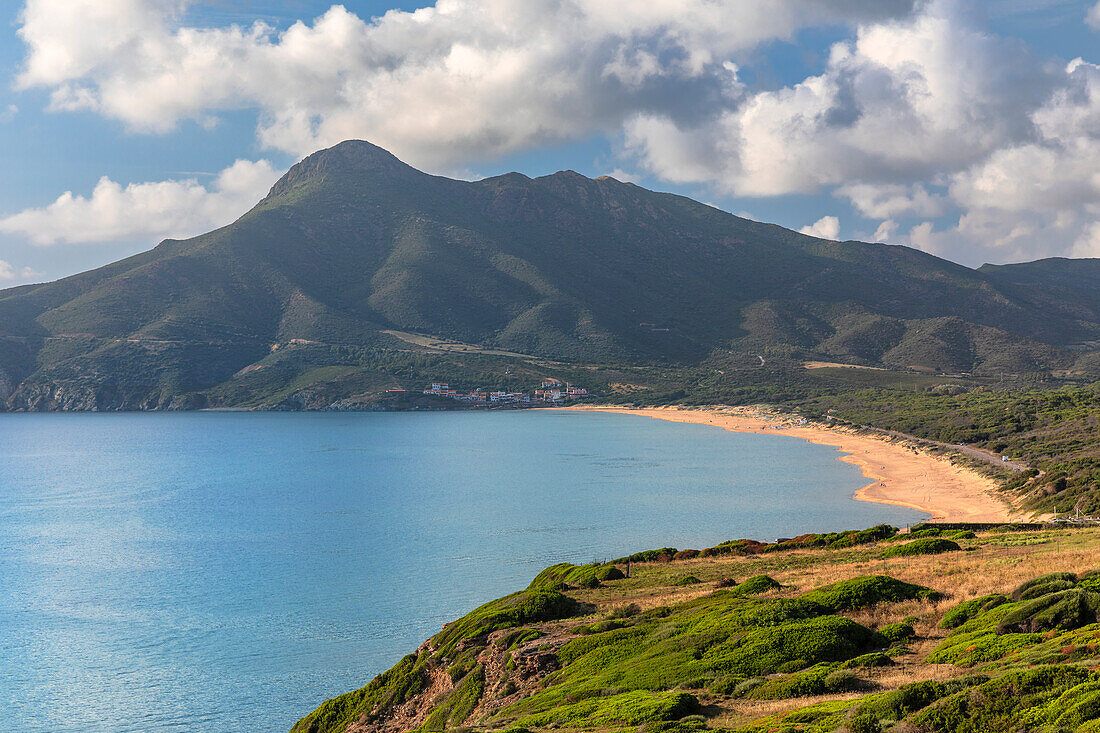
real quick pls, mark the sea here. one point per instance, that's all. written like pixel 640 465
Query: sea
pixel 228 572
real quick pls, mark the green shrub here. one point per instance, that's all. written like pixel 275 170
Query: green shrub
pixel 463 665
pixel 735 547
pixel 756 585
pixel 726 685
pixel 525 607
pixel 985 645
pixel 628 708
pixel 663 554
pixel 779 611
pixel 853 538
pixel 803 684
pixel 1024 700
pixel 688 724
pixel 897 633
pixel 908 699
pixel 1042 580
pixel 518 637
pixel 967 610
pixel 565 575
pixel 1067 609
pixel 918 534
pixel 874 659
pixel 844 680
pixel 1090 580
pixel 863 723
pixel 868 590
pixel 746 686
pixel 599 627
pixel 1081 705
pixel 819 680
pixel 1038 591
pixel 926 546
pixel 688 580
pixel 792 646
pixel 609 572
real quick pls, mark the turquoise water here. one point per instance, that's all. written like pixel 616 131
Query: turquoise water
pixel 228 572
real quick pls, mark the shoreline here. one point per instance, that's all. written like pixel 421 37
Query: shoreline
pixel 900 474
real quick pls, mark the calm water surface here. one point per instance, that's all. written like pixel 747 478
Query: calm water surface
pixel 228 572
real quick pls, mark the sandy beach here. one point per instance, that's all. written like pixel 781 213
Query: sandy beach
pixel 899 474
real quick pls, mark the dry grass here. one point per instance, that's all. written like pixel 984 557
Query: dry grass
pixel 741 712
pixel 993 563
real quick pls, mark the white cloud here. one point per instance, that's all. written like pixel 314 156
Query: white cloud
pixel 1092 18
pixel 439 86
pixel 9 273
pixel 1088 244
pixel 623 175
pixel 883 201
pixel 153 210
pixel 827 227
pixel 1041 196
pixel 914 118
pixel 921 112
pixel 9 113
pixel 902 101
pixel 886 231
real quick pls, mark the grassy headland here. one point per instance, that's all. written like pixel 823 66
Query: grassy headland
pixel 857 631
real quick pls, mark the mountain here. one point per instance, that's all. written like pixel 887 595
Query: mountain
pixel 360 261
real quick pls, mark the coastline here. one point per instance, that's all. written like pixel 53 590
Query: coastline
pixel 900 474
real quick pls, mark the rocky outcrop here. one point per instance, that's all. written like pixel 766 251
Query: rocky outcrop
pixel 93 397
pixel 6 387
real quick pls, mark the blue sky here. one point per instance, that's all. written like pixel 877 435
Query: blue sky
pixel 970 130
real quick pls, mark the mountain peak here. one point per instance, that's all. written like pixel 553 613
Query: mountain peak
pixel 351 157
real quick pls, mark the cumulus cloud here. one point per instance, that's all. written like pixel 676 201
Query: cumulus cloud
pixel 152 210
pixel 886 231
pixel 827 227
pixel 902 101
pixel 1092 18
pixel 883 201
pixel 918 118
pixel 439 86
pixel 1088 244
pixel 922 113
pixel 9 273
pixel 1039 196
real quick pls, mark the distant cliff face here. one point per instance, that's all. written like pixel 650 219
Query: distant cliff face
pixel 352 244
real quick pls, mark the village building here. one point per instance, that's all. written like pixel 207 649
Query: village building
pixel 552 390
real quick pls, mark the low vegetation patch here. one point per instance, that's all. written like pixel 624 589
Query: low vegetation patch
pixel 756 585
pixel 868 590
pixel 688 580
pixel 925 546
pixel 967 610
pixel 566 575
pixel 628 708
pixel 521 608
pixel 830 540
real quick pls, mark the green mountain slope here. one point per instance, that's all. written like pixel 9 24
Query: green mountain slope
pixel 352 244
